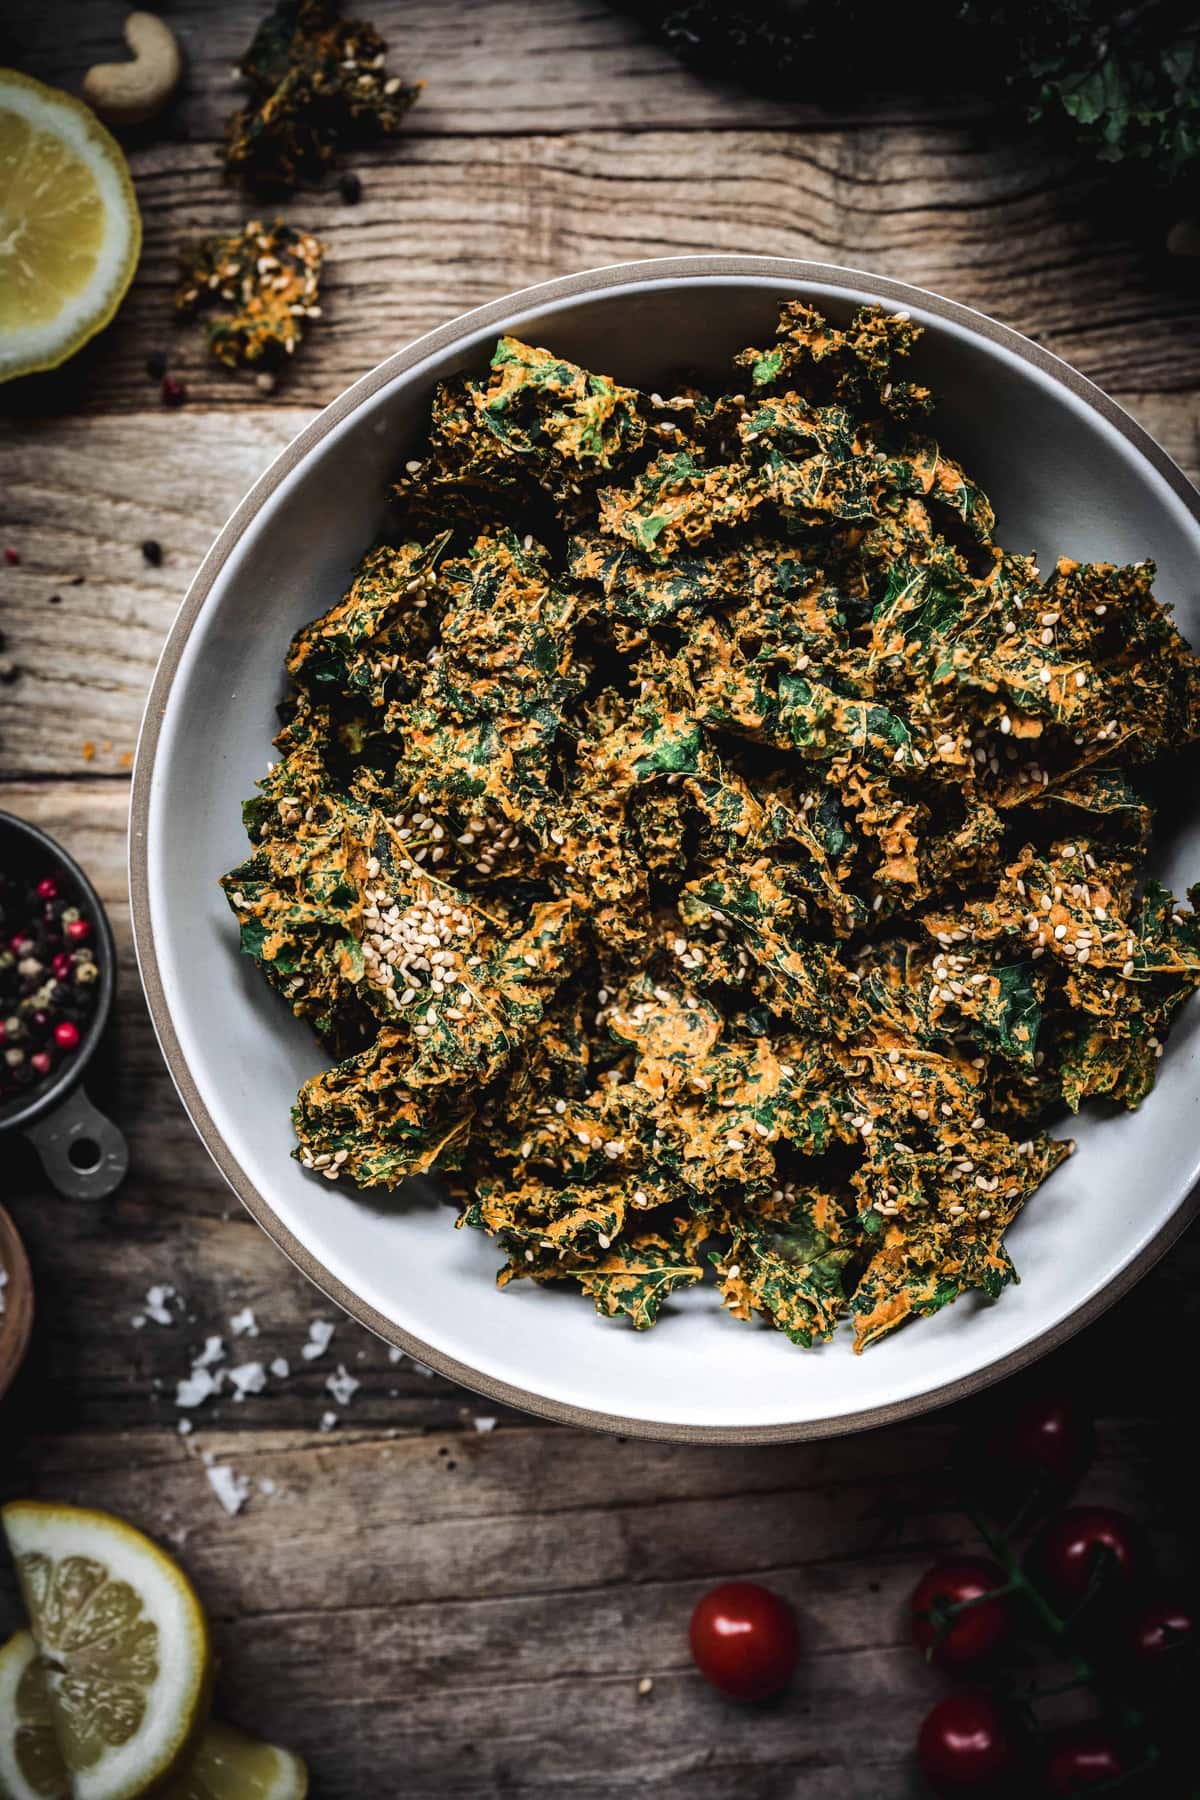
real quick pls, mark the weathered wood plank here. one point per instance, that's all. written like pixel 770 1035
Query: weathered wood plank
pixel 80 501
pixel 420 1607
pixel 455 221
pixel 489 66
pixel 483 1608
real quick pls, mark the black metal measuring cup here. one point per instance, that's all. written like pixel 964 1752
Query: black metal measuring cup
pixel 82 1152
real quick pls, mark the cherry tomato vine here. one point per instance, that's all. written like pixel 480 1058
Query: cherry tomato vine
pixel 1074 1580
pixel 1071 1582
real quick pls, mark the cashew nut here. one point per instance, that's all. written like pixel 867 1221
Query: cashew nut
pixel 127 93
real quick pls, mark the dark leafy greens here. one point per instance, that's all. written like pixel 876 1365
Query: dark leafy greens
pixel 697 841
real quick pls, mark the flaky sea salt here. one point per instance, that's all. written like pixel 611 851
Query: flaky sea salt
pixel 395 1354
pixel 247 1378
pixel 280 1368
pixel 482 1423
pixel 156 1307
pixel 231 1489
pixel 328 1421
pixel 213 1351
pixel 244 1323
pixel 343 1386
pixel 195 1388
pixel 320 1336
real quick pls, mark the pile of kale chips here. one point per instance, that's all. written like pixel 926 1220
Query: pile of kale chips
pixel 695 839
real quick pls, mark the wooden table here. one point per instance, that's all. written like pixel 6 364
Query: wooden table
pixel 423 1607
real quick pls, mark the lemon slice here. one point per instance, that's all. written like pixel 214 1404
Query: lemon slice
pixel 230 1766
pixel 70 230
pixel 30 1765
pixel 227 1765
pixel 124 1642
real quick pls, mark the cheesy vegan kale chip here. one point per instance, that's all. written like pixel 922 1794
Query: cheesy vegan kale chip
pixel 695 839
pixel 319 85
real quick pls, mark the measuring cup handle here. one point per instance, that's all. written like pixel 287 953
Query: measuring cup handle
pixel 100 1154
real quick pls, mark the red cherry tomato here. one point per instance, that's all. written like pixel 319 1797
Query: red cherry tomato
pixel 958 1638
pixel 1083 1757
pixel 1087 1553
pixel 966 1745
pixel 744 1640
pixel 1049 1435
pixel 1161 1634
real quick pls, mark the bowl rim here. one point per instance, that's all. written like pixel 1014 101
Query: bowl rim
pixel 588 284
pixel 20 1115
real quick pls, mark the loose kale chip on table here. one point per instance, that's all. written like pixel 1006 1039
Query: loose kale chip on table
pixel 262 284
pixel 695 839
pixel 318 85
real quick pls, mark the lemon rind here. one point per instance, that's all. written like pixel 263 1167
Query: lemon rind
pixel 39 104
pixel 177 1704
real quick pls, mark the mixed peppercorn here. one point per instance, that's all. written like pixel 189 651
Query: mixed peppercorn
pixel 48 978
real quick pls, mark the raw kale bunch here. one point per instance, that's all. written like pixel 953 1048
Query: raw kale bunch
pixel 1122 80
pixel 1125 80
pixel 790 49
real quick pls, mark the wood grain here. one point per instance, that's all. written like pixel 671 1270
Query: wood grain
pixel 421 1607
pixel 490 67
pixel 450 222
pixel 473 1614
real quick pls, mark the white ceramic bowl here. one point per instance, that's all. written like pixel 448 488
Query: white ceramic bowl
pixel 1068 471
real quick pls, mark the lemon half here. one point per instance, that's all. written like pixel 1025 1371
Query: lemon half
pixel 124 1643
pixel 231 1766
pixel 30 1765
pixel 227 1765
pixel 70 230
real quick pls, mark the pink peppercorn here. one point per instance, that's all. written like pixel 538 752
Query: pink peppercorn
pixel 20 944
pixel 61 966
pixel 47 888
pixel 66 1035
pixel 174 393
pixel 78 930
pixel 42 1061
pixel 11 556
